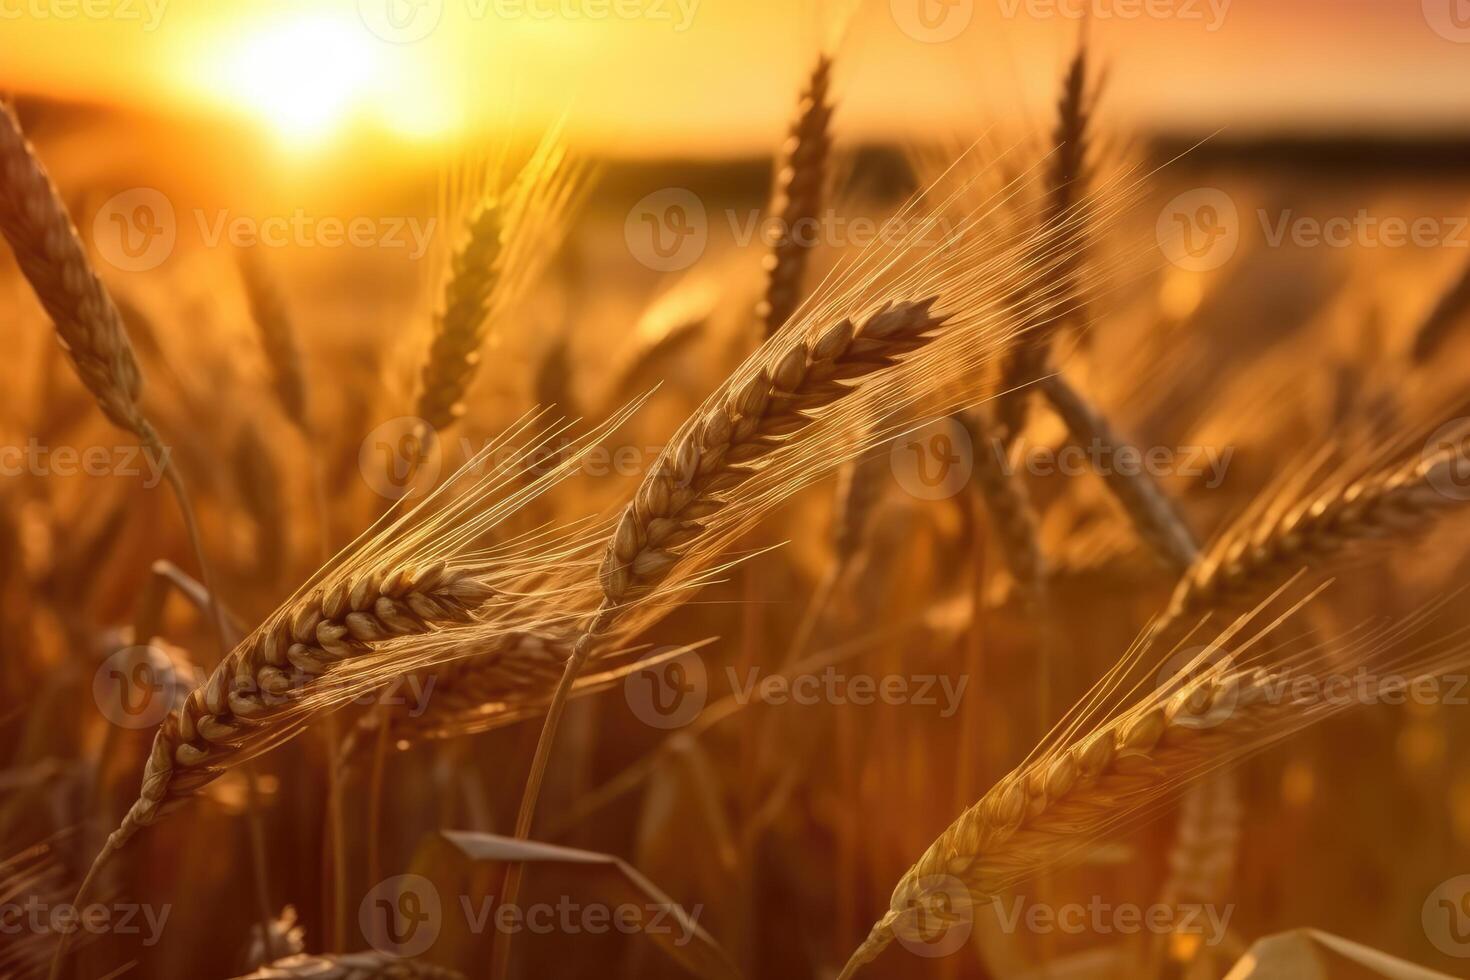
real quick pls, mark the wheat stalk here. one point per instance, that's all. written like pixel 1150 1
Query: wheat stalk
pixel 351 966
pixel 1151 513
pixel 797 202
pixel 1012 516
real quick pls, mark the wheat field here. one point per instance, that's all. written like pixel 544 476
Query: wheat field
pixel 1032 547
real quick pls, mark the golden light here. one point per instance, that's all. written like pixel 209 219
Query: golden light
pixel 308 76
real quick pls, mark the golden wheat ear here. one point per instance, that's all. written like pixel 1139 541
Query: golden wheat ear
pixel 505 237
pixel 801 189
pixel 1239 695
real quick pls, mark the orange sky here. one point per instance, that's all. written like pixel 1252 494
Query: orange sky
pixel 713 76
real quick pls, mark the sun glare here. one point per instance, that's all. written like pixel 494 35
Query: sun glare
pixel 308 77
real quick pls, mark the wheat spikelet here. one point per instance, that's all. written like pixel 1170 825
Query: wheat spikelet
pixel 1085 782
pixel 454 353
pixel 1258 555
pixel 230 713
pixel 351 966
pixel 712 458
pixel 505 241
pixel 1064 217
pixel 797 203
pixel 471 693
pixel 34 222
pixel 273 322
pixel 1152 514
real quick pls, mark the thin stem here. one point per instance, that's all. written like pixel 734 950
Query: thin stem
pixel 539 761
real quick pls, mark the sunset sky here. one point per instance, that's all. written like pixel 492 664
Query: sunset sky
pixel 643 77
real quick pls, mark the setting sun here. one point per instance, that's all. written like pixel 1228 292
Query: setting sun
pixel 309 76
